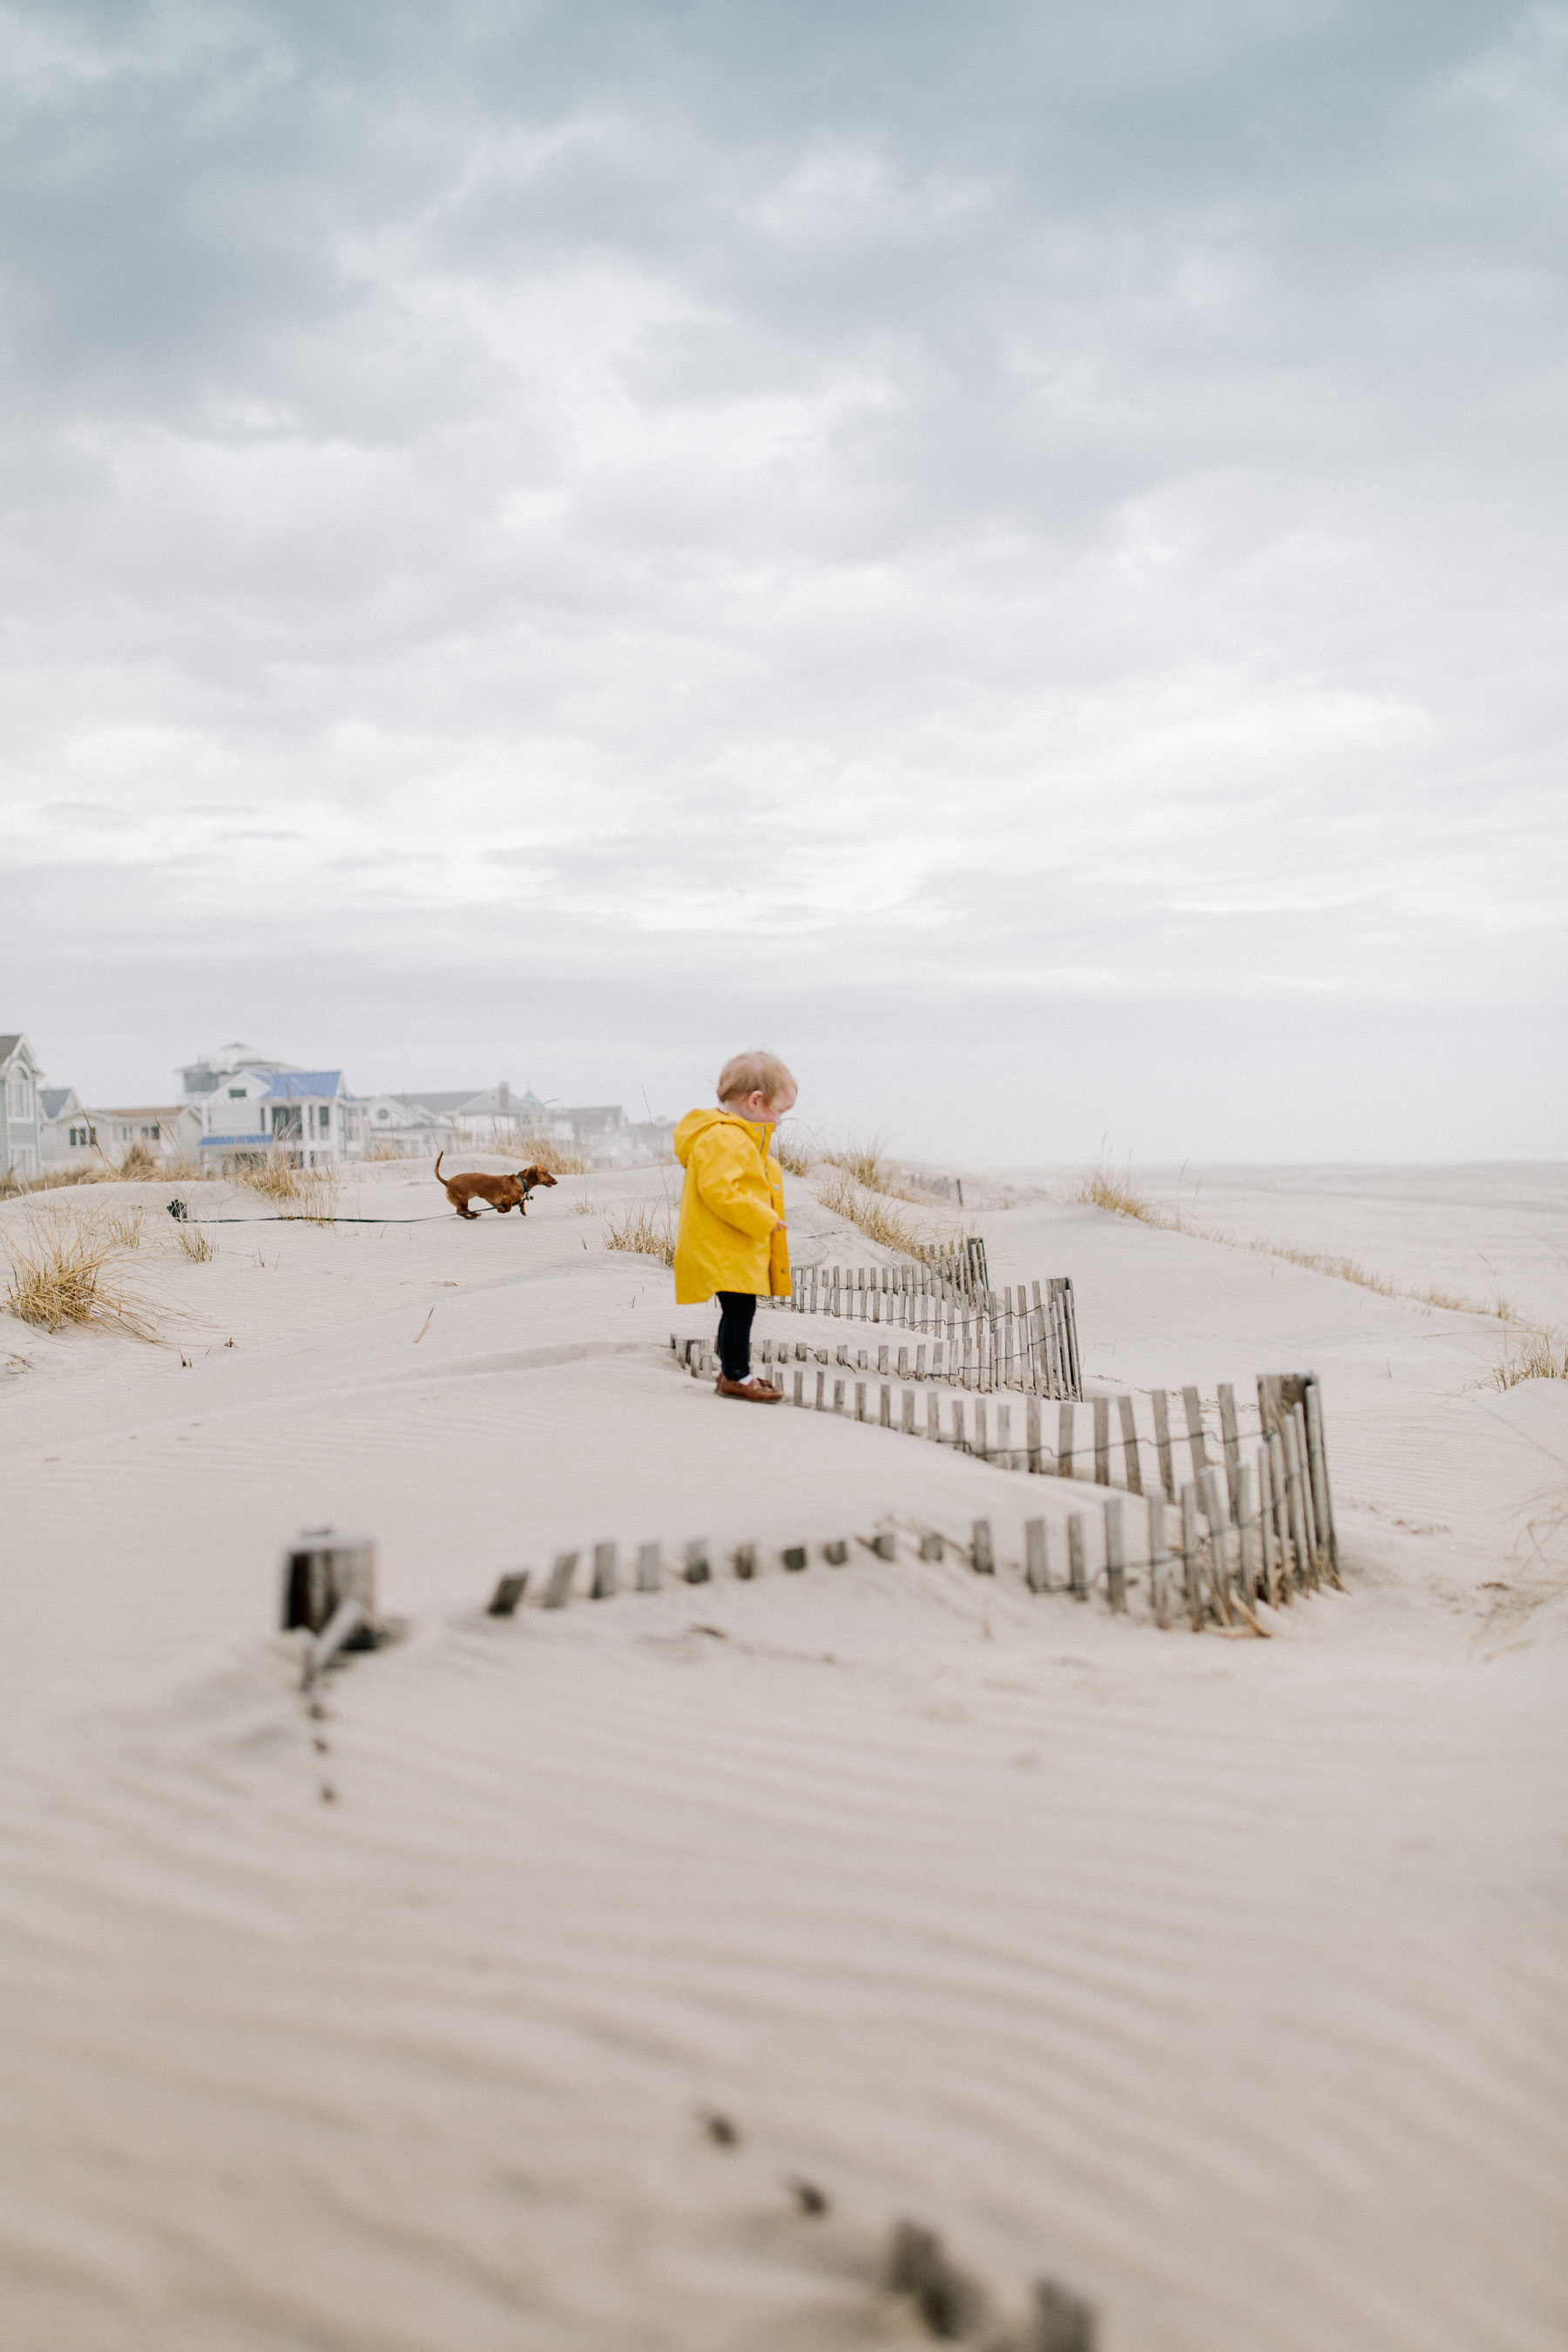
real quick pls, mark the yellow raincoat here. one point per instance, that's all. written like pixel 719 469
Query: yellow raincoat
pixel 733 1194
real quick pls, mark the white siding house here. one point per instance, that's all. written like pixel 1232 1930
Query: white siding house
pixel 307 1114
pixel 21 1137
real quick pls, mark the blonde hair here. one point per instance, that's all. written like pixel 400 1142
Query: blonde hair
pixel 757 1073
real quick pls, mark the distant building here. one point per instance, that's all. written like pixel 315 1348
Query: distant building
pixel 492 1118
pixel 257 1107
pixel 221 1067
pixel 167 1133
pixel 21 1079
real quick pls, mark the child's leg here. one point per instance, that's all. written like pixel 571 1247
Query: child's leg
pixel 736 1308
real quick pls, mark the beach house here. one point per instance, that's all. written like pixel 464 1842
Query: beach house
pixel 21 1142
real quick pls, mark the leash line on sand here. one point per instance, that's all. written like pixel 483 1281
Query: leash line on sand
pixel 181 1216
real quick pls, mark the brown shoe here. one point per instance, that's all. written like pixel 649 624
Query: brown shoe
pixel 756 1390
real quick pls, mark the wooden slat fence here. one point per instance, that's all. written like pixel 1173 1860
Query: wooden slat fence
pixel 982 1339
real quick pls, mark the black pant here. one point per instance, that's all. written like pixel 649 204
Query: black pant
pixel 736 1308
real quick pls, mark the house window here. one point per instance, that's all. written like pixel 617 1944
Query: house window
pixel 326 1118
pixel 150 1134
pixel 381 1112
pixel 237 1094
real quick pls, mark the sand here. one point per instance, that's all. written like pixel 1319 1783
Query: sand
pixel 1226 1981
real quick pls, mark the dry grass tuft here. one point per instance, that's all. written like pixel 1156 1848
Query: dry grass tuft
pixel 872 1213
pixel 59 1273
pixel 1102 1189
pixel 645 1232
pixel 792 1150
pixel 270 1174
pixel 539 1150
pixel 200 1246
pixel 1536 1362
pixel 138 1165
pixel 864 1162
pixel 316 1189
pixel 123 1228
pixel 12 1187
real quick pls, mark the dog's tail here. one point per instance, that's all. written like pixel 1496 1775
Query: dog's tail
pixel 440 1156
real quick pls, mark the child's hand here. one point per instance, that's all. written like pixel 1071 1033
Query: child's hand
pixel 780 1225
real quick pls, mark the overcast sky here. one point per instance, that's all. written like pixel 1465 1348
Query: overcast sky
pixel 1015 554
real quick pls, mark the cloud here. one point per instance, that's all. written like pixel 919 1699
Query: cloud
pixel 1033 510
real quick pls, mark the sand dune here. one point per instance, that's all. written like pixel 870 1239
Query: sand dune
pixel 1224 1980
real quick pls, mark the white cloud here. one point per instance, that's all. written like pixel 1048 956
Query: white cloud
pixel 1046 520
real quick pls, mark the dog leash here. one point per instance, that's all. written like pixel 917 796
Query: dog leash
pixel 181 1216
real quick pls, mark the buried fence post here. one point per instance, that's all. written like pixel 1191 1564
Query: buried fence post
pixel 322 1571
pixel 1036 1560
pixel 1115 1556
pixel 558 1592
pixel 909 1418
pixel 603 1571
pixel 934 1417
pixel 1064 1442
pixel 648 1567
pixel 697 1569
pixel 1032 1432
pixel 984 1558
pixel 1062 2322
pixel 509 1591
pixel 1077 1580
pixel 745 1561
pixel 1102 1441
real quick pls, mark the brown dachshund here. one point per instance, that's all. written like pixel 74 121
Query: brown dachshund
pixel 502 1193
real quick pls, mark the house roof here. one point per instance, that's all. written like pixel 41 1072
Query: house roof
pixel 9 1044
pixel 55 1098
pixel 477 1098
pixel 253 1141
pixel 137 1110
pixel 305 1085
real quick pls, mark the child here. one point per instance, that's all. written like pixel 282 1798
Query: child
pixel 731 1235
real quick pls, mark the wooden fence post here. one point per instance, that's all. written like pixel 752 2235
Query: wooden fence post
pixel 603 1571
pixel 1158 1557
pixel 1232 1446
pixel 1191 1565
pixel 984 1557
pixel 1078 1579
pixel 1037 1567
pixel 648 1567
pixel 1162 1443
pixel 1318 1460
pixel 1115 1556
pixel 558 1592
pixel 1195 1432
pixel 1130 1447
